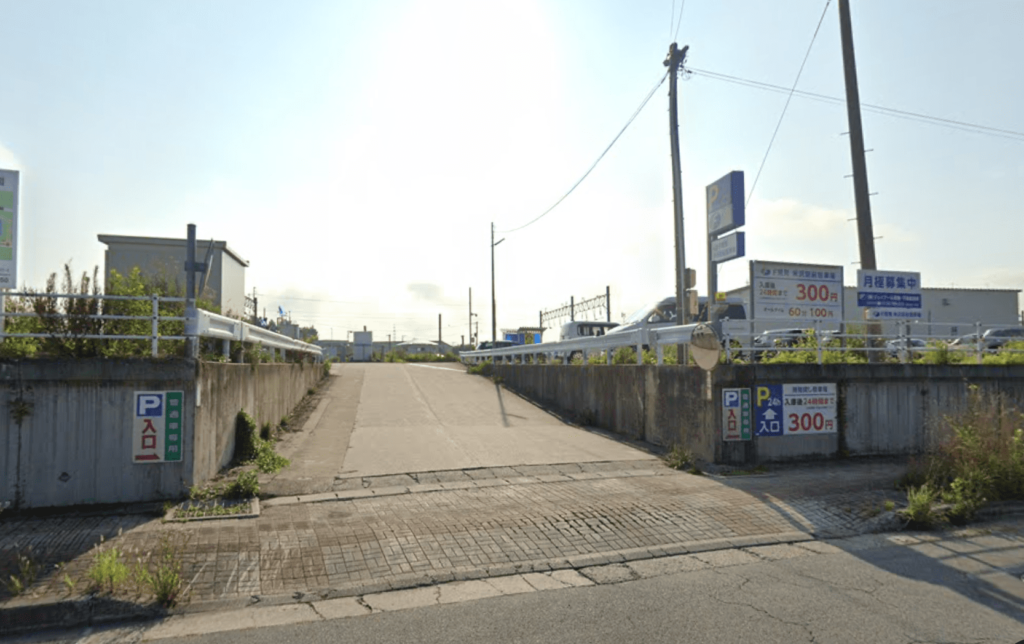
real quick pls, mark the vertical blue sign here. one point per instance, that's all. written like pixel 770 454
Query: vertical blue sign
pixel 726 209
pixel 768 413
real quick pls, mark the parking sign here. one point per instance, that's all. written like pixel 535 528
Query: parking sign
pixel 157 426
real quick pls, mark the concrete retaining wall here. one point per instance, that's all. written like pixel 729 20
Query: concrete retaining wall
pixel 267 393
pixel 882 410
pixel 65 425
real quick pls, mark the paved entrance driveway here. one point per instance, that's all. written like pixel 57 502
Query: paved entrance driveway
pixel 376 419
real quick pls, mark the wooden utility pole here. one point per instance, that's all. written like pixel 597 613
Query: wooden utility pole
pixel 674 62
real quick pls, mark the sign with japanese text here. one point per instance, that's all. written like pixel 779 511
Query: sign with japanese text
pixel 726 203
pixel 157 426
pixel 890 294
pixel 795 410
pixel 736 418
pixel 781 291
pixel 9 228
pixel 729 247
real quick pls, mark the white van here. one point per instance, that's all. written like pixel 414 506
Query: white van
pixel 584 329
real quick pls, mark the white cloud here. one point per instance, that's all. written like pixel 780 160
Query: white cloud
pixel 8 161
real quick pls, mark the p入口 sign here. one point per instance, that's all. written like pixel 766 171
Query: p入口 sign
pixel 157 426
pixel 795 409
pixel 736 414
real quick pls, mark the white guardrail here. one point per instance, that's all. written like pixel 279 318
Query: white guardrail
pixel 737 340
pixel 204 324
pixel 659 338
pixel 211 325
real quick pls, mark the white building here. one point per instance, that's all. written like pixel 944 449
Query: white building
pixel 163 257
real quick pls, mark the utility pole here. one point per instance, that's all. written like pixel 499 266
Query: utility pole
pixel 438 331
pixel 865 231
pixel 470 316
pixel 674 62
pixel 494 304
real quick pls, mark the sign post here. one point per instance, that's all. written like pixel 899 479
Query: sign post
pixel 726 212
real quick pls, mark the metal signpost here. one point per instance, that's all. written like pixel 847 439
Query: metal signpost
pixel 797 292
pixel 726 212
pixel 157 426
pixel 795 410
pixel 890 294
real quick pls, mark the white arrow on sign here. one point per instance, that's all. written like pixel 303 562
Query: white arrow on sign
pixel 770 414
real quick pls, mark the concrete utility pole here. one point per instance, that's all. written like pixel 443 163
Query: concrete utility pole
pixel 494 302
pixel 439 331
pixel 865 231
pixel 674 62
pixel 470 316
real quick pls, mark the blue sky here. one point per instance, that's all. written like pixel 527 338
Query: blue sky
pixel 357 152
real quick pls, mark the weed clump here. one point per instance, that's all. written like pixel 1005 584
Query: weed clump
pixel 981 461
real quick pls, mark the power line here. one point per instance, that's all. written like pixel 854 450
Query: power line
pixel 963 126
pixel 679 23
pixel 594 165
pixel 788 99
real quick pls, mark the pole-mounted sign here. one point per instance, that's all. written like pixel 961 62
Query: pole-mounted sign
pixel 726 212
pixel 8 228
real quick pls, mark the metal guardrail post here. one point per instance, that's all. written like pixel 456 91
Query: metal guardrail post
pixel 640 354
pixel 155 326
pixel 817 338
pixel 660 351
pixel 977 344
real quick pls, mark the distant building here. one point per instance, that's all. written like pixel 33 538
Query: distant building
pixel 162 257
pixel 946 312
pixel 423 346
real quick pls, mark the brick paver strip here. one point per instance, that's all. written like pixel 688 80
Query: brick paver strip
pixel 352 546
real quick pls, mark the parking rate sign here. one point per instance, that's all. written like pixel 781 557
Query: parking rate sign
pixel 736 414
pixel 795 409
pixel 157 426
pixel 8 228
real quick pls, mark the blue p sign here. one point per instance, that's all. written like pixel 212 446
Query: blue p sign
pixel 731 398
pixel 149 405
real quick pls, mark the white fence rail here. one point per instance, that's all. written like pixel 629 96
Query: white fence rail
pixel 738 343
pixel 203 324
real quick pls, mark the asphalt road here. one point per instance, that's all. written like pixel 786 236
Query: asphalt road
pixel 864 589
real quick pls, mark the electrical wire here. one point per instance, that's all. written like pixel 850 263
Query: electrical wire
pixel 594 165
pixel 679 23
pixel 788 99
pixel 878 109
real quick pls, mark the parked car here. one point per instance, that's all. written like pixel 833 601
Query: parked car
pixel 585 329
pixel 663 313
pixel 582 329
pixel 895 347
pixel 967 342
pixel 773 339
pixel 996 338
pixel 499 344
pixel 660 313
